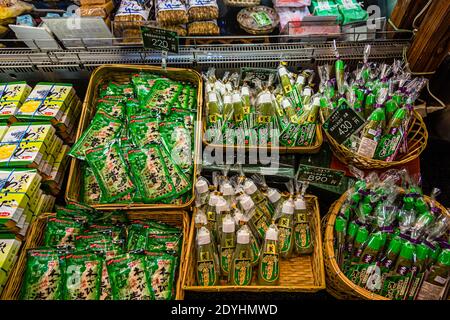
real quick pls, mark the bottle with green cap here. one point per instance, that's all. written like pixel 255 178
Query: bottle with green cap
pixel 371 134
pixel 352 230
pixel 421 205
pixel 372 249
pixel 392 252
pixel 369 106
pixel 405 259
pixel 241 266
pixel 360 241
pixel 340 228
pixel 433 287
pixel 391 108
pixel 269 264
pixel 418 269
pixel 390 143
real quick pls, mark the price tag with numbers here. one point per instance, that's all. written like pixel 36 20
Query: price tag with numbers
pixel 342 123
pixel 318 175
pixel 160 39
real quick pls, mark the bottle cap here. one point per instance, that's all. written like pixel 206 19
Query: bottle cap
pixel 408 203
pixel 434 254
pixel 444 257
pixel 340 65
pixel 427 218
pixel 213 199
pixel 362 235
pixel 400 113
pixel 352 229
pixel 227 189
pixel 250 187
pixel 356 197
pixel 377 115
pixel 366 209
pixel 200 218
pixel 243 237
pixel 272 234
pixel 203 236
pixel 228 225
pixel 391 106
pixel 395 245
pixel 340 224
pixel 288 207
pixel 273 195
pixel 246 203
pixel 316 101
pixel 300 204
pixel 375 242
pixel 421 205
pixel 407 251
pixel 222 205
pixel 201 186
pixel 422 252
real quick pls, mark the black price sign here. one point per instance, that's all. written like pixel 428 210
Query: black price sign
pixel 342 123
pixel 250 74
pixel 319 175
pixel 160 39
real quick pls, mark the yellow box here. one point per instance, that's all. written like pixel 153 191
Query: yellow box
pixel 9 246
pixel 34 132
pixel 25 181
pixel 12 208
pixel 26 154
pixel 12 95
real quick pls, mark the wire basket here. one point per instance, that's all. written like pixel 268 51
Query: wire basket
pixel 35 239
pixel 298 274
pixel 338 285
pixel 120 74
pixel 417 142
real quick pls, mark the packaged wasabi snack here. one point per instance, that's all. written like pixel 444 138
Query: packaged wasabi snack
pixel 388 239
pixel 12 95
pixel 61 232
pixel 325 8
pixel 9 248
pixel 351 11
pixel 161 269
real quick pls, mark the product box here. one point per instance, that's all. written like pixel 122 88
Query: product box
pixel 12 95
pixel 54 181
pixel 25 154
pixel 35 132
pixel 25 181
pixel 47 102
pixel 12 206
pixel 9 248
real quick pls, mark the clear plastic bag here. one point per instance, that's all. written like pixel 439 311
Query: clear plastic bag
pixel 200 10
pixel 171 12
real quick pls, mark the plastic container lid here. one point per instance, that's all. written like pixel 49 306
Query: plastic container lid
pixel 273 195
pixel 201 186
pixel 250 187
pixel 288 207
pixel 272 234
pixel 227 189
pixel 356 197
pixel 407 251
pixel 395 245
pixel 427 217
pixel 243 237
pixel 444 257
pixel 228 225
pixel 300 204
pixel 362 235
pixel 203 236
pixel 222 205
pixel 247 203
pixel 340 224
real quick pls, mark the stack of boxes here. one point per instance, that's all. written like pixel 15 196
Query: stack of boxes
pixel 12 95
pixel 9 249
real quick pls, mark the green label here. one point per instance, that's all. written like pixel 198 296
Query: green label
pixel 302 235
pixel 306 135
pixel 388 145
pixel 261 226
pixel 261 18
pixel 255 250
pixel 394 287
pixel 226 255
pixel 205 270
pixel 270 270
pixel 289 135
pixel 242 272
pixel 285 238
pixel 160 39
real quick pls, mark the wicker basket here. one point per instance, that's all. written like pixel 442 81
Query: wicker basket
pixel 417 142
pixel 338 284
pixel 119 74
pixel 241 3
pixel 298 274
pixel 36 238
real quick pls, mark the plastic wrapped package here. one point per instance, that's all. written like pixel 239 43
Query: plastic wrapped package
pixel 132 11
pixel 291 3
pixel 99 10
pixel 203 28
pixel 13 8
pixel 171 12
pixel 199 10
pixel 325 8
pixel 351 11
pixel 289 16
pixel 258 20
pixel 92 2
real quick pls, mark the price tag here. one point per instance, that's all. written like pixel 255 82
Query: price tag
pixel 160 39
pixel 319 175
pixel 342 123
pixel 250 74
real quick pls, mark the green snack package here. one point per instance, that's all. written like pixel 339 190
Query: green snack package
pixel 351 11
pixel 129 278
pixel 137 237
pixel 116 89
pixel 61 232
pixel 162 96
pixel 143 82
pixel 105 285
pixel 177 139
pixel 92 192
pixel 110 171
pixel 43 278
pixel 101 131
pixel 114 109
pixel 164 243
pixel 134 111
pixel 150 174
pixel 82 277
pixel 161 269
pixel 180 182
pixel 325 8
pixel 144 131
